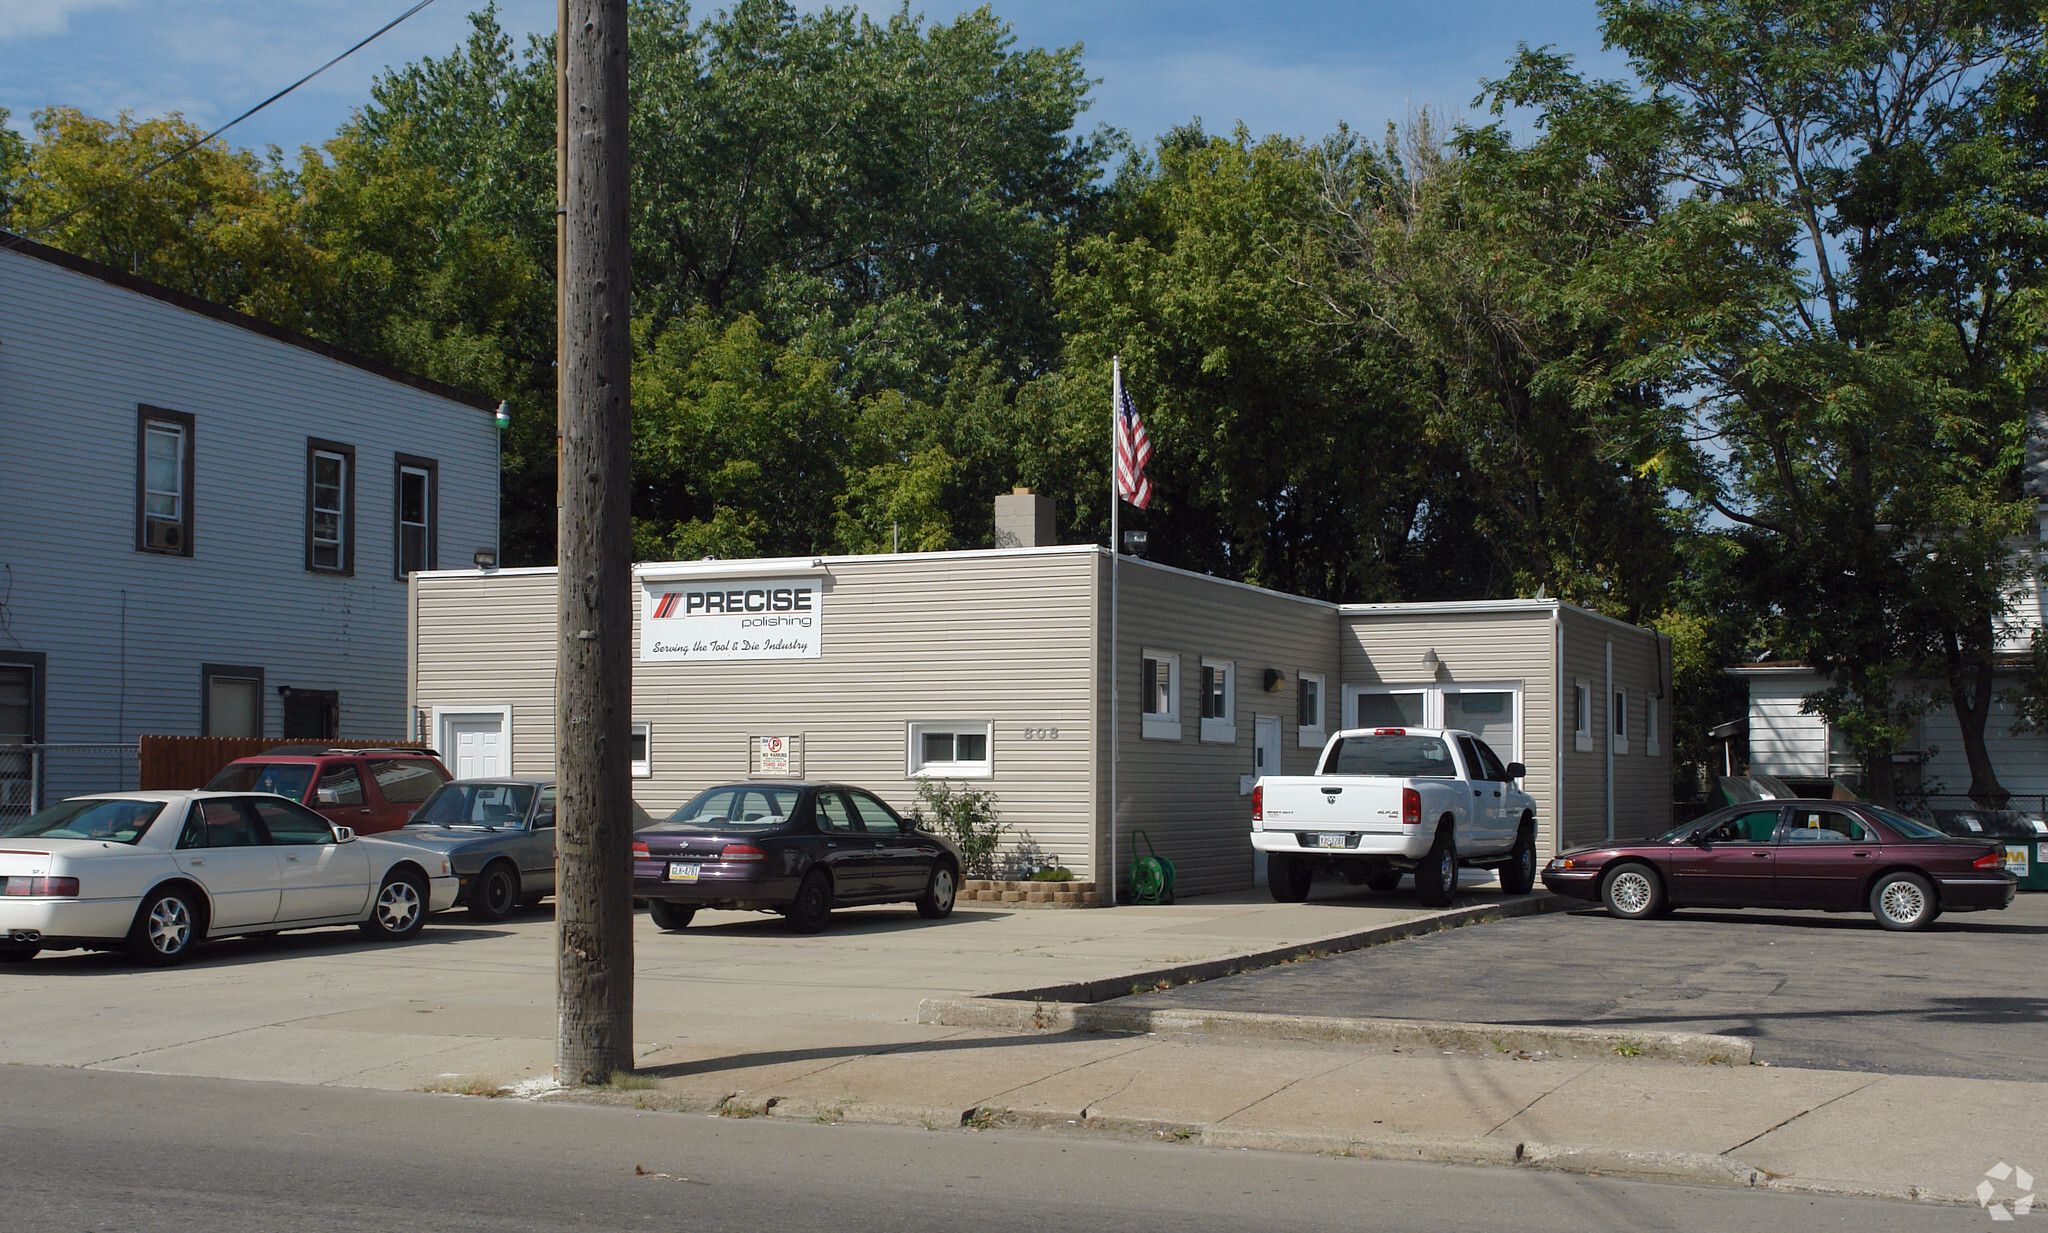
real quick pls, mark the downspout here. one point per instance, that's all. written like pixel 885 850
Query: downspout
pixel 1557 729
pixel 1607 713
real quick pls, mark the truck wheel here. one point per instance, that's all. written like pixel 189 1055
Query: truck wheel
pixel 1288 876
pixel 1436 878
pixel 1381 876
pixel 1518 876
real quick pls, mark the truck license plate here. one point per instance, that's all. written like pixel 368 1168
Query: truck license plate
pixel 1329 840
pixel 679 872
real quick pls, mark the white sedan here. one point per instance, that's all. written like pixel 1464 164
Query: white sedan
pixel 158 872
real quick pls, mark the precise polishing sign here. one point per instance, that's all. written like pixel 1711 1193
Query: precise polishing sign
pixel 755 618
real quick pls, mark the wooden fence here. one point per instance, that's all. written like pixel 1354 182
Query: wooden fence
pixel 171 763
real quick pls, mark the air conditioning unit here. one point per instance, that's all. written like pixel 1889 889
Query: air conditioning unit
pixel 164 534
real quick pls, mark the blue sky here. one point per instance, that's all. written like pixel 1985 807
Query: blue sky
pixel 1287 67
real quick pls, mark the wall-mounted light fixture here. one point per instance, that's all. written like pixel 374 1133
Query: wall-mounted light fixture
pixel 1134 542
pixel 1274 679
pixel 503 419
pixel 485 558
pixel 1430 661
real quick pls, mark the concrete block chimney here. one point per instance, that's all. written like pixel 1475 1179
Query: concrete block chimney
pixel 1024 519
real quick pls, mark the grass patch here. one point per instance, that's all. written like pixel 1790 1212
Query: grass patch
pixel 1629 1048
pixel 467 1085
pixel 627 1081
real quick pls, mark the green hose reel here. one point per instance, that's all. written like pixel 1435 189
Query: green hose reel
pixel 1151 874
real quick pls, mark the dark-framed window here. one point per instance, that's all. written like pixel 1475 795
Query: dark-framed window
pixel 330 507
pixel 416 507
pixel 21 723
pixel 230 700
pixel 165 443
pixel 311 714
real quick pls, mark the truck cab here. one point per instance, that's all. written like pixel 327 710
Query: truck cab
pixel 1389 801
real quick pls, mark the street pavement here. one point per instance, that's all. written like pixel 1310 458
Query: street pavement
pixel 141 1153
pixel 1968 998
pixel 740 1017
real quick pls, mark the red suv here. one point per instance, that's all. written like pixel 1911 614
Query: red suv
pixel 371 790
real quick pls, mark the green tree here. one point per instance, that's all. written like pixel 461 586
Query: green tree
pixel 1860 406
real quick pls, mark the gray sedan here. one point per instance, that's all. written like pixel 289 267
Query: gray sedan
pixel 499 836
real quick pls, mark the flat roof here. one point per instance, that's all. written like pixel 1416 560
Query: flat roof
pixel 12 243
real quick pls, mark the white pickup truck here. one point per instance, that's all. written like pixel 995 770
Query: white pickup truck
pixel 1389 801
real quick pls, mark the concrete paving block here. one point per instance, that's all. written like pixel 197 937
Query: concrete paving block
pixel 1408 1095
pixel 1653 1106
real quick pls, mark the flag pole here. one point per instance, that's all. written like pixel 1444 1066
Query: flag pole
pixel 1116 388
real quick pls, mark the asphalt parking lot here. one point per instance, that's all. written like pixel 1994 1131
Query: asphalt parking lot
pixel 1967 998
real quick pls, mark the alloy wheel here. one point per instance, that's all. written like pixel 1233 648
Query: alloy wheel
pixel 170 926
pixel 397 905
pixel 1902 902
pixel 942 889
pixel 1632 891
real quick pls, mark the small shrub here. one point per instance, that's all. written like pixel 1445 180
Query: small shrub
pixel 1053 873
pixel 968 817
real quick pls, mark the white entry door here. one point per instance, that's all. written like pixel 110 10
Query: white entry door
pixel 1265 761
pixel 476 745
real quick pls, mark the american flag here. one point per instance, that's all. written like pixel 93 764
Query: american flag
pixel 1133 450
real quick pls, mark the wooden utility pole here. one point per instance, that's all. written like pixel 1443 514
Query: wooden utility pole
pixel 593 673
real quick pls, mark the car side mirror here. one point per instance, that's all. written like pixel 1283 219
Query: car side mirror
pixel 344 834
pixel 545 818
pixel 1516 770
pixel 1699 837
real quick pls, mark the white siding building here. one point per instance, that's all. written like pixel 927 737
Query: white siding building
pixel 206 521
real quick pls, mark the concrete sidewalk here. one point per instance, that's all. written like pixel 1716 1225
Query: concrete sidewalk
pixel 738 1016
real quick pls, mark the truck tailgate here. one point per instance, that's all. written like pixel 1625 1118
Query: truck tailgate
pixel 1305 803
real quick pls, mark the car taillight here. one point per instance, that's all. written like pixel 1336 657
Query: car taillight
pixel 1258 802
pixel 1390 732
pixel 1990 860
pixel 640 848
pixel 1411 807
pixel 742 852
pixel 41 888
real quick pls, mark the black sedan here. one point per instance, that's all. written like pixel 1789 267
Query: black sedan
pixel 498 835
pixel 1837 856
pixel 797 849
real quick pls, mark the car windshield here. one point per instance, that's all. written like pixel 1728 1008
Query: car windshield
pixel 1907 827
pixel 1400 757
pixel 284 778
pixel 742 807
pixel 113 821
pixel 477 804
pixel 1679 834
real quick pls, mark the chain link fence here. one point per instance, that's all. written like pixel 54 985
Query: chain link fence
pixel 32 776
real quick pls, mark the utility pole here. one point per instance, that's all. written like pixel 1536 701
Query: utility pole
pixel 593 673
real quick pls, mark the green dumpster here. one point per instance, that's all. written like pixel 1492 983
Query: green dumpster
pixel 2022 836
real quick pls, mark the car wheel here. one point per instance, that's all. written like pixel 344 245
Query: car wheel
pixel 495 892
pixel 166 929
pixel 1436 878
pixel 18 952
pixel 812 907
pixel 1382 877
pixel 937 901
pixel 400 907
pixel 1903 901
pixel 1633 892
pixel 672 916
pixel 1288 877
pixel 1518 876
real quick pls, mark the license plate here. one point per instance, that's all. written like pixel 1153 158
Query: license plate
pixel 679 872
pixel 1327 840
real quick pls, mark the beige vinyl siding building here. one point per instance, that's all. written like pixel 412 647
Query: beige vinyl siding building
pixel 1001 660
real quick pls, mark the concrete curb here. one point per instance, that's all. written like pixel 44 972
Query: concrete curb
pixel 1003 1014
pixel 1106 988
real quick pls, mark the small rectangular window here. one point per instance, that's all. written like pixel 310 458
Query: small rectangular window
pixel 642 752
pixel 330 507
pixel 950 750
pixel 1308 711
pixel 1159 695
pixel 1582 717
pixel 231 701
pixel 1219 700
pixel 416 500
pixel 1652 745
pixel 1620 724
pixel 163 482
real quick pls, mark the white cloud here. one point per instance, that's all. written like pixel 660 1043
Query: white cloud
pixel 40 18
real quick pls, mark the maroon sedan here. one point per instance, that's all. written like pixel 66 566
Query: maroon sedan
pixel 1835 856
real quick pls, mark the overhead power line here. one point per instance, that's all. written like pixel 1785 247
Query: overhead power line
pixel 190 146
